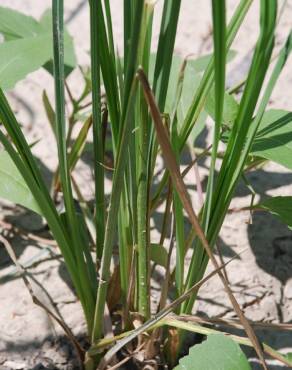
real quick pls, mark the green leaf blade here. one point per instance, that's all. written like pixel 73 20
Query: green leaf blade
pixel 281 207
pixel 274 138
pixel 201 63
pixel 21 57
pixel 12 185
pixel 14 24
pixel 230 107
pixel 158 254
pixel 28 46
pixel 217 352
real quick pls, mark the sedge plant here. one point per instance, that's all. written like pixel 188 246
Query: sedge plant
pixel 144 118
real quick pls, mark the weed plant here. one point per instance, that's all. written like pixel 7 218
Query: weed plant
pixel 145 105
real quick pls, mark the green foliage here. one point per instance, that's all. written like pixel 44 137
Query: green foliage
pixel 27 46
pixel 201 63
pixel 289 357
pixel 136 122
pixel 22 56
pixel 216 352
pixel 12 185
pixel 281 207
pixel 230 108
pixel 14 25
pixel 158 254
pixel 274 138
pixel 49 111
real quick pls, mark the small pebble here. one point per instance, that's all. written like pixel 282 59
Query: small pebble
pixel 288 289
pixel 14 365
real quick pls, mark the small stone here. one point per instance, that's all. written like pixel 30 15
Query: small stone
pixel 55 356
pixel 14 365
pixel 269 306
pixel 288 289
pixel 255 314
pixel 47 345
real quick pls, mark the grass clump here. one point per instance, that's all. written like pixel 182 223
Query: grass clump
pixel 140 116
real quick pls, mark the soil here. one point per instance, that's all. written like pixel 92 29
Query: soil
pixel 261 277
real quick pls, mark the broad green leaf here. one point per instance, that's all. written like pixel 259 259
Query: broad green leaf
pixel 217 352
pixel 274 138
pixel 289 357
pixel 198 128
pixel 190 83
pixel 158 254
pixel 28 47
pixel 14 24
pixel 46 21
pixel 173 77
pixel 22 56
pixel 230 108
pixel 201 63
pixel 13 186
pixel 281 207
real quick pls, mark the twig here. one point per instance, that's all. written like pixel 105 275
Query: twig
pixel 233 323
pixel 122 362
pixel 218 249
pixel 243 209
pixel 86 105
pixel 73 101
pixel 18 230
pixel 195 159
pixel 35 299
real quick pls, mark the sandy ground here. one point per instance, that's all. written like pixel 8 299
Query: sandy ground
pixel 261 278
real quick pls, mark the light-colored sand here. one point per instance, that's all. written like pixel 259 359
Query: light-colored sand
pixel 24 328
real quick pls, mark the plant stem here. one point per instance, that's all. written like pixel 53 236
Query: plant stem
pixel 142 178
pixel 97 129
pixel 88 286
pixel 219 14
